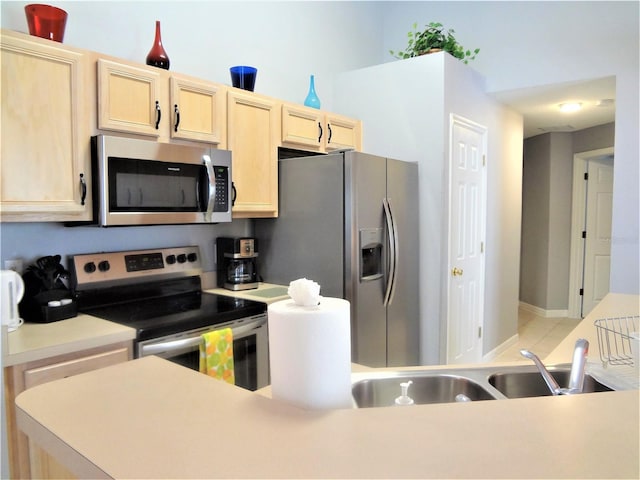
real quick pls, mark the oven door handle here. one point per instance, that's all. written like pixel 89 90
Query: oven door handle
pixel 190 342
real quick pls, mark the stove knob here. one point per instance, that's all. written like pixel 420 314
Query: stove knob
pixel 89 267
pixel 171 259
pixel 182 258
pixel 192 257
pixel 104 266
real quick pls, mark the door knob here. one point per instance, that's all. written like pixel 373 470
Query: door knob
pixel 456 272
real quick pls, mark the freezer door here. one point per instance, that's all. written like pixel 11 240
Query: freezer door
pixel 306 240
pixel 366 262
pixel 403 309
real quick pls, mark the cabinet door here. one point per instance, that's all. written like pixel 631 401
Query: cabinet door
pixel 198 111
pixel 302 127
pixel 45 153
pixel 129 98
pixel 23 461
pixel 68 368
pixel 253 131
pixel 343 132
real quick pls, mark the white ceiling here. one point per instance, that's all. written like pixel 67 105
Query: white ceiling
pixel 539 105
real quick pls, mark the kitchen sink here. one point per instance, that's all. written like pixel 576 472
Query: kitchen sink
pixel 443 385
pixel 531 384
pixel 440 388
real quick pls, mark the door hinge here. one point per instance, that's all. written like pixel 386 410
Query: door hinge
pixel 584 234
pixel 481 247
pixel 479 332
pixel 586 175
pixel 484 160
pixel 581 291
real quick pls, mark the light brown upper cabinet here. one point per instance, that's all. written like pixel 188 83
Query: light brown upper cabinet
pixel 311 129
pixel 199 110
pixel 150 101
pixel 45 153
pixel 253 129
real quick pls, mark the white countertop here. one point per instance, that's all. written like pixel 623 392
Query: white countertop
pixel 150 418
pixel 34 341
pixel 266 293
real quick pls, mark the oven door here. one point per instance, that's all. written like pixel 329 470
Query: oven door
pixel 250 350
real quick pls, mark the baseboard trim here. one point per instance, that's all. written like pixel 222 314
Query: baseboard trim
pixel 500 349
pixel 541 312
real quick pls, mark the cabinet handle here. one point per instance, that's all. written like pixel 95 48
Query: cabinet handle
pixel 177 112
pixel 330 133
pixel 158 114
pixel 235 194
pixel 320 128
pixel 83 189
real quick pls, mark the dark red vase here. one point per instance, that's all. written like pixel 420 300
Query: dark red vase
pixel 157 56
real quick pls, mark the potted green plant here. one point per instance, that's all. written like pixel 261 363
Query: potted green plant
pixel 434 39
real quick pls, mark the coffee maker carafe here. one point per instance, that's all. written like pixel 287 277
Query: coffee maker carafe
pixel 237 263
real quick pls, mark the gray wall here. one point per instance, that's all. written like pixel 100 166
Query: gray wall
pixel 546 212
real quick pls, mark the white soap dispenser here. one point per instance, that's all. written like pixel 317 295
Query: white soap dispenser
pixel 404 400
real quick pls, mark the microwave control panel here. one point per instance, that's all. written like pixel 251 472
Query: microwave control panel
pixel 221 202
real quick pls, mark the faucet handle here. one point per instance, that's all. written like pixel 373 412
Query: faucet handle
pixel 578 365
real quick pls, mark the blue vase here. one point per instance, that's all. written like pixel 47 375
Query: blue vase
pixel 312 99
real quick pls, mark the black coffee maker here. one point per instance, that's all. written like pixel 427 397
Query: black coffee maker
pixel 237 263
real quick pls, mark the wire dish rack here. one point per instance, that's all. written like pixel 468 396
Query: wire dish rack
pixel 615 339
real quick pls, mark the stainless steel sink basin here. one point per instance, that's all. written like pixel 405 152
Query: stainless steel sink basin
pixel 441 388
pixel 531 384
pixel 442 385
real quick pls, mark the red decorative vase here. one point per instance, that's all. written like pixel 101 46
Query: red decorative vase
pixel 157 56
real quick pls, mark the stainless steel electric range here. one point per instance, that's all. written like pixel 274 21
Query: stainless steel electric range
pixel 159 293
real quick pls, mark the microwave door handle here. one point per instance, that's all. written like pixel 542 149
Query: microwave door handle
pixel 211 179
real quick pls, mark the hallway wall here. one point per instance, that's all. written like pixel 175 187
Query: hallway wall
pixel 546 213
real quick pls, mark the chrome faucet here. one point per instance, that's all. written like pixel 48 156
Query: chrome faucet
pixel 576 377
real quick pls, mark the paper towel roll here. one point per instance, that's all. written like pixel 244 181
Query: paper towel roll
pixel 310 353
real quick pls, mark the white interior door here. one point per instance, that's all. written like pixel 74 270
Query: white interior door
pixel 597 248
pixel 467 203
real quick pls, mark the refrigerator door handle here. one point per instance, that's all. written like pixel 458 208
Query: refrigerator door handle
pixel 393 252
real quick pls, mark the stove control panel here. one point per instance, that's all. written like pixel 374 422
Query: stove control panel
pixel 103 269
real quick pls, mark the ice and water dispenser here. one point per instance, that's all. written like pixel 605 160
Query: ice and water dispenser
pixel 371 253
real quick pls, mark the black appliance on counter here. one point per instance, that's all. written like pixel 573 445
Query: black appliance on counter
pixel 159 293
pixel 237 263
pixel 46 298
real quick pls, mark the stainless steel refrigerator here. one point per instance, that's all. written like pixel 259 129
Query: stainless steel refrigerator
pixel 349 221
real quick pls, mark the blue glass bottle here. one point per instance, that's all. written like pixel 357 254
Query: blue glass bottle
pixel 312 99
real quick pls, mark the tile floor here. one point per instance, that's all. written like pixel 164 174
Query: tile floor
pixel 538 334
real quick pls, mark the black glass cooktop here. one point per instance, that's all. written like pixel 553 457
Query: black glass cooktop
pixel 168 315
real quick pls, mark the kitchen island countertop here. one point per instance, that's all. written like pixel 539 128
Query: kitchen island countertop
pixel 149 418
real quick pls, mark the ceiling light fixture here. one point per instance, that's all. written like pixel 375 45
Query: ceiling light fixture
pixel 570 107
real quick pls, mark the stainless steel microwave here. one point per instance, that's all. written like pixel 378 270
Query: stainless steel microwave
pixel 143 182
